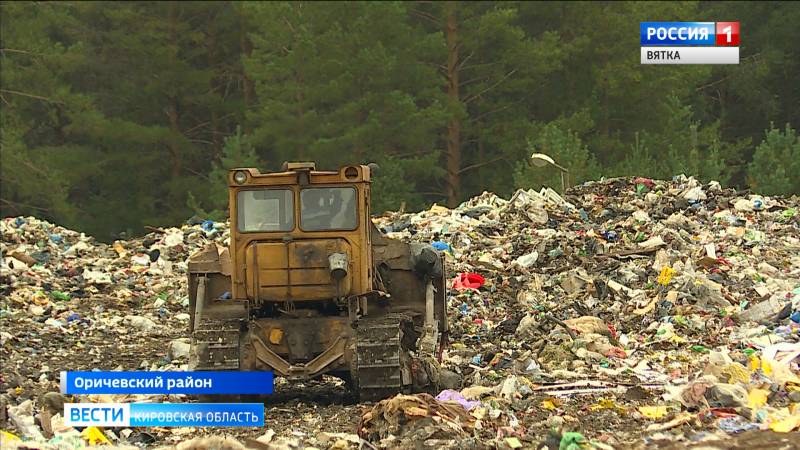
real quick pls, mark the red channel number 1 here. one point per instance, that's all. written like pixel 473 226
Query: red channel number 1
pixel 728 34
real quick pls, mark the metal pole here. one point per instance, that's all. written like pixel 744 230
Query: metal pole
pixel 200 299
pixel 429 304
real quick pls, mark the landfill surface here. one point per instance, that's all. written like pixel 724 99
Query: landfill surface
pixel 629 313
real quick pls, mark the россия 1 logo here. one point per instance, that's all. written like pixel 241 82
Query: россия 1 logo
pixel 689 42
pixel 728 34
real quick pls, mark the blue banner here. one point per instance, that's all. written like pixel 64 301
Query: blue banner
pixel 164 414
pixel 677 33
pixel 166 382
pixel 197 415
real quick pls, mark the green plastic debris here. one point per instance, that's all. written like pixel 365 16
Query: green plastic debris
pixel 789 213
pixel 743 304
pixel 572 441
pixel 555 252
pixel 58 295
pixel 749 351
pixel 754 236
pixel 699 349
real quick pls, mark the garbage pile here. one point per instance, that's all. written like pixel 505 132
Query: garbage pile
pixel 629 313
pixel 671 307
pixel 69 302
pixel 62 290
pixel 404 420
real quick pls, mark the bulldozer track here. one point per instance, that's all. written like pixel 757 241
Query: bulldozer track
pixel 221 339
pixel 380 356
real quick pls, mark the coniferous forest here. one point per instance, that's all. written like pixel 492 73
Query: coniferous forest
pixel 117 115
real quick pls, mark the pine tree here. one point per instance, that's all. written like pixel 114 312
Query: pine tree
pixel 341 83
pixel 776 163
pixel 39 108
pixel 490 69
pixel 685 146
pixel 565 147
pixel 237 151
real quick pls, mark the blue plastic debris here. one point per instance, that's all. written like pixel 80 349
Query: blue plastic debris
pixel 226 296
pixel 73 317
pixel 477 359
pixel 208 225
pixel 442 246
pixel 795 317
pixel 19 222
pixel 55 237
pixel 464 309
pixel 736 425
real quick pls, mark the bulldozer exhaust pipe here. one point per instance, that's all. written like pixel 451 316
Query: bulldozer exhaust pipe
pixel 338 265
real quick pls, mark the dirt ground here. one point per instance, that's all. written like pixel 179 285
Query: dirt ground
pixel 301 411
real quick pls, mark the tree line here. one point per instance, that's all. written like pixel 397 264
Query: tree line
pixel 117 115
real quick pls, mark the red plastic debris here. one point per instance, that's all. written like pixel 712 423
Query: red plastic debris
pixel 466 281
pixel 721 412
pixel 645 181
pixel 616 352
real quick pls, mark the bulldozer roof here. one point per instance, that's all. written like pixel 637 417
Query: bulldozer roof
pixel 290 172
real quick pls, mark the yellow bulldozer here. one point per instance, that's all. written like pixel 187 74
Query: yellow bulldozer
pixel 310 286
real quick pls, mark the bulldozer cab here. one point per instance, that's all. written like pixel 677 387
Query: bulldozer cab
pixel 300 234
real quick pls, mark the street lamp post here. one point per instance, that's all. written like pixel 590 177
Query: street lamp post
pixel 542 160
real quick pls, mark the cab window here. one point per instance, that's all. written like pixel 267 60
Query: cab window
pixel 328 208
pixel 265 210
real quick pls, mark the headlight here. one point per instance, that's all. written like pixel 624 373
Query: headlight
pixel 240 177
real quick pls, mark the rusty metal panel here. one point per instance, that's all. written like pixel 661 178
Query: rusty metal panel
pixel 313 253
pixel 271 256
pixel 274 293
pixel 299 292
pixel 297 270
pixel 320 332
pixel 273 277
pixel 310 277
pixel 315 292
